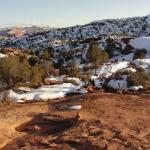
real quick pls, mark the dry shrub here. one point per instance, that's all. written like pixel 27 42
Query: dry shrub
pixel 139 78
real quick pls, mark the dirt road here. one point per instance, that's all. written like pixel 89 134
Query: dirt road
pixel 107 121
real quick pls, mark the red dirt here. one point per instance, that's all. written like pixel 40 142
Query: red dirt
pixel 107 121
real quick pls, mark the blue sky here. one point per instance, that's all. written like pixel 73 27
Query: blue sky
pixel 60 13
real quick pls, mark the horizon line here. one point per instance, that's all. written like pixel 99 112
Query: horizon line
pixel 23 25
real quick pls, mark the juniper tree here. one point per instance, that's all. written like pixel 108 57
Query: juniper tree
pixel 95 55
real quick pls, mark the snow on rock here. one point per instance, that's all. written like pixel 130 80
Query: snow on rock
pixel 47 92
pixel 118 84
pixel 142 63
pixel 108 69
pixel 140 43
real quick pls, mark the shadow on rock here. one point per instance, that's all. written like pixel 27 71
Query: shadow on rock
pixel 48 124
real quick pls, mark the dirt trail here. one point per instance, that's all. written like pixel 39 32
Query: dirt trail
pixel 13 116
pixel 107 121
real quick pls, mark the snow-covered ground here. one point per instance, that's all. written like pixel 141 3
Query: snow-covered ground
pixel 77 81
pixel 55 79
pixel 108 69
pixel 47 92
pixel 128 57
pixel 142 63
pixel 122 84
pixel 141 43
pixel 118 83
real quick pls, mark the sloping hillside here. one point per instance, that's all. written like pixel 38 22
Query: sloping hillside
pixel 41 38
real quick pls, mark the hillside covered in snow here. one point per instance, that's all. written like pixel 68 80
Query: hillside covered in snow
pixel 71 37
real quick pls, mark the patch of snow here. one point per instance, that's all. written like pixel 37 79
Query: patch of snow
pixel 83 91
pixel 135 88
pixel 142 63
pixel 47 92
pixel 98 81
pixel 118 84
pixel 76 80
pixel 75 107
pixel 27 89
pixel 122 84
pixel 128 57
pixel 108 69
pixel 123 45
pixel 3 55
pixel 140 43
pixel 57 79
pixel 130 69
